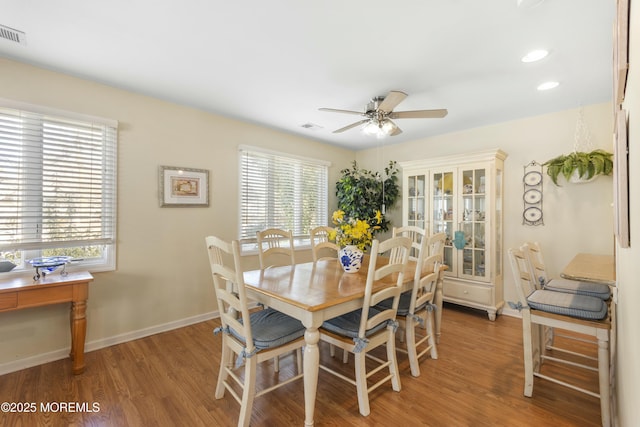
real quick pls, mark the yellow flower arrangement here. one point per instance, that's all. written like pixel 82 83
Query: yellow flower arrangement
pixel 353 231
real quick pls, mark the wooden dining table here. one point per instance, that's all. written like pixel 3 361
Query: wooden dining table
pixel 313 293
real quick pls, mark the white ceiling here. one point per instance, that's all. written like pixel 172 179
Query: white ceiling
pixel 276 62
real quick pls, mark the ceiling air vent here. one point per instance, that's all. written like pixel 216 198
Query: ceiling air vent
pixel 13 35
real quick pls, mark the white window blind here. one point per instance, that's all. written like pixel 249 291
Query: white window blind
pixel 281 191
pixel 57 180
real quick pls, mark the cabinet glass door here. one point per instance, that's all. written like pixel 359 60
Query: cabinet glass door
pixel 443 215
pixel 416 200
pixel 473 207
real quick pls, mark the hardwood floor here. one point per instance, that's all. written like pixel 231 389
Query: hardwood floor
pixel 169 379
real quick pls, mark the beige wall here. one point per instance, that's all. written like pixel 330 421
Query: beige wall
pixel 577 217
pixel 628 268
pixel 162 271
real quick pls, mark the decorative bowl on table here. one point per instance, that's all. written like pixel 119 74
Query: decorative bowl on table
pixel 49 264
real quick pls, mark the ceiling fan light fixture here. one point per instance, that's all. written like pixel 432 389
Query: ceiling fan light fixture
pixel 379 128
pixel 373 128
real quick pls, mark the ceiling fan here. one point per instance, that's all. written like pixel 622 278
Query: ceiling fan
pixel 379 113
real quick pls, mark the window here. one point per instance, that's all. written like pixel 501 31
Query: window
pixel 281 191
pixel 57 186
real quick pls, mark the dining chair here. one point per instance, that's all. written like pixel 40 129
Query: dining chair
pixel 435 246
pixel 581 314
pixel 416 234
pixel 275 247
pixel 368 328
pixel 321 247
pixel 416 306
pixel 320 244
pixel 254 337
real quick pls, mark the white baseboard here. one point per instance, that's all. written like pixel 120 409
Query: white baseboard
pixel 51 356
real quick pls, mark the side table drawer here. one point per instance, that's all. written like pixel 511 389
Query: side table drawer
pixel 8 300
pixel 474 293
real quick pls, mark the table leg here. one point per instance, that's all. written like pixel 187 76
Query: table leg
pixel 78 333
pixel 311 367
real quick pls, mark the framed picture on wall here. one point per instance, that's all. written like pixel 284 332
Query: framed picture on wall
pixel 183 187
pixel 621 180
pixel 620 51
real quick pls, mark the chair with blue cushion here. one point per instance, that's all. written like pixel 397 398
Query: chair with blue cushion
pixel 248 338
pixel 368 328
pixel 533 253
pixel 416 307
pixel 321 247
pixel 275 247
pixel 579 314
pixel 435 246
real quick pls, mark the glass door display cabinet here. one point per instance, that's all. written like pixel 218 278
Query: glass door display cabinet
pixel 462 196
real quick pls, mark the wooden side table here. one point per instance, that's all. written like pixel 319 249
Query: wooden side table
pixel 22 292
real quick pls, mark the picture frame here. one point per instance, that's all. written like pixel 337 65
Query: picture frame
pixel 620 51
pixel 183 187
pixel 621 181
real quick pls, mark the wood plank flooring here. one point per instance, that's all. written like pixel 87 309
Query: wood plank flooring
pixel 169 380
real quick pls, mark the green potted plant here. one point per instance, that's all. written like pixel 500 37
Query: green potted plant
pixel 580 166
pixel 365 195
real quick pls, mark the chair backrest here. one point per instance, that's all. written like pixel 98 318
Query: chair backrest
pixel 398 249
pixel 228 281
pixel 416 234
pixel 320 243
pixel 435 245
pixel 533 252
pixel 521 274
pixel 424 288
pixel 275 244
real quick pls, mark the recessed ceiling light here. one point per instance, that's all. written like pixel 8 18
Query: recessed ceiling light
pixel 528 4
pixel 548 85
pixel 535 55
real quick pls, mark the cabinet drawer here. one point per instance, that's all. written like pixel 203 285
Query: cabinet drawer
pixel 8 300
pixel 469 292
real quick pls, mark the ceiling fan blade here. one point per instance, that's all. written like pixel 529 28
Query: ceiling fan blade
pixel 396 130
pixel 333 110
pixel 419 114
pixel 352 125
pixel 390 101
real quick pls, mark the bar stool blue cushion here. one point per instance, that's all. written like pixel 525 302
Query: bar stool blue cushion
pixel 271 328
pixel 573 305
pixel 348 324
pixel 598 290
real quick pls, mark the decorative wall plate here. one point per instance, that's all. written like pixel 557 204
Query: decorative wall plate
pixel 533 178
pixel 532 196
pixel 532 214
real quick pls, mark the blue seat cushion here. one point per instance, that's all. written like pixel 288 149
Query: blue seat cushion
pixel 348 324
pixel 573 305
pixel 271 328
pixel 403 305
pixel 599 290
